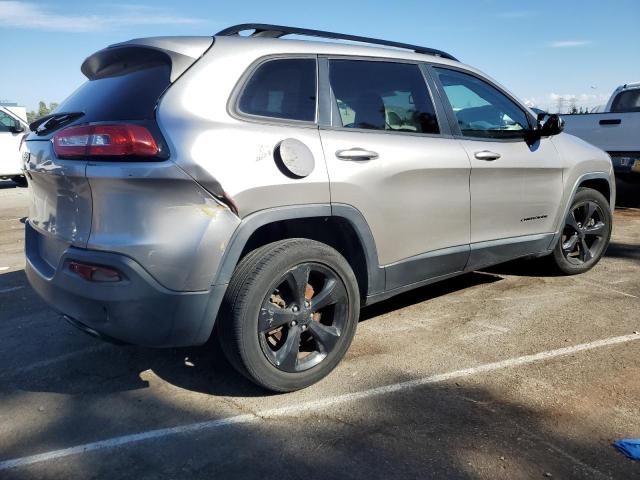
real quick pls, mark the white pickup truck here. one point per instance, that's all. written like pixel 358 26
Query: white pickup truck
pixel 12 129
pixel 616 130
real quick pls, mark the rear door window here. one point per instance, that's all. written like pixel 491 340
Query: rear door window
pixel 282 88
pixel 628 101
pixel 386 96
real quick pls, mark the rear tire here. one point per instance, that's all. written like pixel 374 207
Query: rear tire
pixel 585 235
pixel 289 314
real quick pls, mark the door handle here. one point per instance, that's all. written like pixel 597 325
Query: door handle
pixel 611 121
pixel 487 155
pixel 356 154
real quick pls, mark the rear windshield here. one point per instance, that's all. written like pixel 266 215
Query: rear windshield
pixel 131 96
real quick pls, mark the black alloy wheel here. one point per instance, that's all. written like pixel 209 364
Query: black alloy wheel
pixel 289 313
pixel 584 234
pixel 302 318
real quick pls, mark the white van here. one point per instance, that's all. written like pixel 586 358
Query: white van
pixel 12 129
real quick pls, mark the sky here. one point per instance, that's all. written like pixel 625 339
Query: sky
pixel 539 50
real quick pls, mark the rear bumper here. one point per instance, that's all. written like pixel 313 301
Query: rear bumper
pixel 136 310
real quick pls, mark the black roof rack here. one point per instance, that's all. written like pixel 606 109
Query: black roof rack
pixel 277 31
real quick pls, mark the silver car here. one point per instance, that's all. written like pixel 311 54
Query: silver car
pixel 260 190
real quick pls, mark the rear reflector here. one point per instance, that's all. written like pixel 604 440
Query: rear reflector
pixel 105 141
pixel 93 273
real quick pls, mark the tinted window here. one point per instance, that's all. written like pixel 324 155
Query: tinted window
pixel 382 96
pixel 6 122
pixel 481 109
pixel 130 96
pixel 628 101
pixel 283 88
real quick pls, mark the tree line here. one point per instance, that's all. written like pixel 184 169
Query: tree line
pixel 43 110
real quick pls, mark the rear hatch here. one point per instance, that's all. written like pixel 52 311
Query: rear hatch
pixel 125 82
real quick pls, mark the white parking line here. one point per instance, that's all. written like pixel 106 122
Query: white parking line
pixel 596 284
pixel 301 407
pixel 10 289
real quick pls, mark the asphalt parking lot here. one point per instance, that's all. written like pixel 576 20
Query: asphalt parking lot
pixel 508 373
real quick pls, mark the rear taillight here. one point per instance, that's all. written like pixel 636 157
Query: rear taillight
pixel 119 140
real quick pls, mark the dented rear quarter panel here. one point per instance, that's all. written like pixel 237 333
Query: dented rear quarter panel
pixel 212 145
pixel 157 215
pixel 60 206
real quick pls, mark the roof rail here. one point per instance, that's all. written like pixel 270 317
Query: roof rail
pixel 277 31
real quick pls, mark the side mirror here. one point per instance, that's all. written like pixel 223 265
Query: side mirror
pixel 17 128
pixel 550 124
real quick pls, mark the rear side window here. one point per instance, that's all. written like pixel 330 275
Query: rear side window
pixel 382 96
pixel 127 96
pixel 628 101
pixel 282 88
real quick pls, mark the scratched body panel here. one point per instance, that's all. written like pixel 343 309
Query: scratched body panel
pixel 157 215
pixel 214 145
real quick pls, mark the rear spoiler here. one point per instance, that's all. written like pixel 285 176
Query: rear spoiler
pixel 120 58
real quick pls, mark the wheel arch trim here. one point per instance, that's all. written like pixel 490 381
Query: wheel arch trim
pixel 251 223
pixel 579 181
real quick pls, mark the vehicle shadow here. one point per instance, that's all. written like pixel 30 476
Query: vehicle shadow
pixel 4 184
pixel 627 194
pixel 426 293
pixel 525 267
pixel 112 368
pixel 543 267
pixel 448 430
pixel 623 250
pixel 453 430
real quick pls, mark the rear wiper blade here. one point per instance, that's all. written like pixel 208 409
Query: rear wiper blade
pixel 53 120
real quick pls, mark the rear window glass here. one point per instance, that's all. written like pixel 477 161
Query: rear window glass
pixel 628 101
pixel 282 88
pixel 132 96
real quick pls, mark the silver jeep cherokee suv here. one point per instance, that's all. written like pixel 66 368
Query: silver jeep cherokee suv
pixel 264 189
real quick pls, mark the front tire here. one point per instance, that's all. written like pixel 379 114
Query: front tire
pixel 289 314
pixel 586 233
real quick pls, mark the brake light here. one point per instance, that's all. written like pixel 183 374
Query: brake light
pixel 94 273
pixel 105 141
